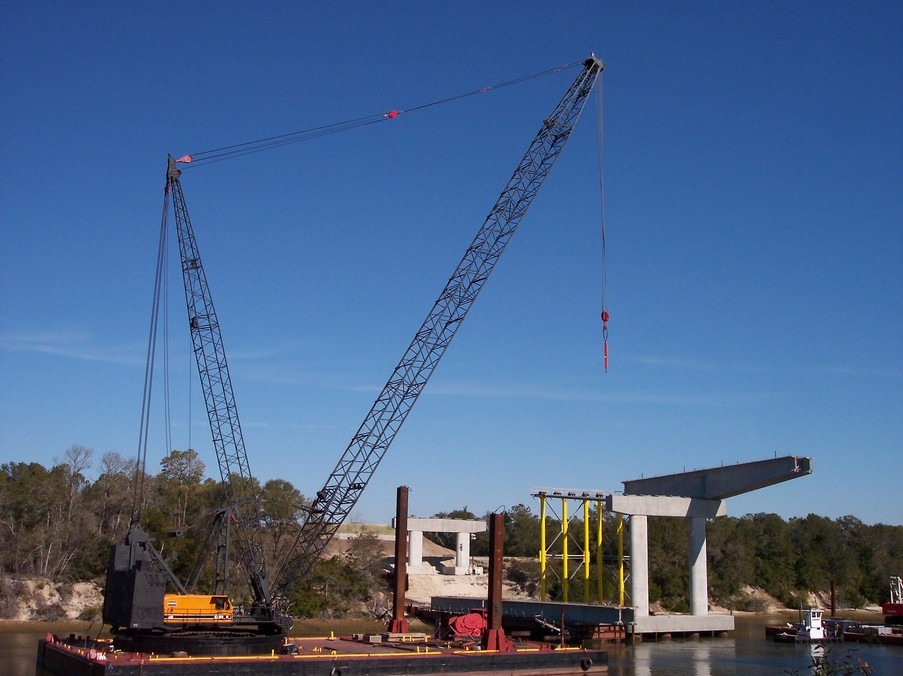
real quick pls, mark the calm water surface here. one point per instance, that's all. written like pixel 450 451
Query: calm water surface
pixel 746 653
pixel 741 657
pixel 18 652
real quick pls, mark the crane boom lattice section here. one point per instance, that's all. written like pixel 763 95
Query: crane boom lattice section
pixel 216 385
pixel 354 469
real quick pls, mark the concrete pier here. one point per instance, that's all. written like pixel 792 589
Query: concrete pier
pixel 699 585
pixel 695 496
pixel 463 529
pixel 695 511
pixel 639 564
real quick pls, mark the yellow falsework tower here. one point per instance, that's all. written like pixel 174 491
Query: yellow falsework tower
pixel 565 556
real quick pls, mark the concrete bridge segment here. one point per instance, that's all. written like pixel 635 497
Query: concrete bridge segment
pixel 695 496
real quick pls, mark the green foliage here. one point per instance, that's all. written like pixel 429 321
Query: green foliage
pixel 281 504
pixel 668 568
pixel 365 556
pixel 801 555
pixel 181 474
pixel 331 590
pixel 525 574
pixel 40 516
pixel 56 523
pixel 521 532
pixel 343 585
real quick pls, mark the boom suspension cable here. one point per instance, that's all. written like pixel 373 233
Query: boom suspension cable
pixel 167 398
pixel 141 462
pixel 239 149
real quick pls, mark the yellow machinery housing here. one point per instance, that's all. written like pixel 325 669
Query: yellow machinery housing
pixel 197 609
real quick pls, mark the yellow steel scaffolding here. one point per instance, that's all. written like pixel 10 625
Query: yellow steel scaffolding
pixel 559 548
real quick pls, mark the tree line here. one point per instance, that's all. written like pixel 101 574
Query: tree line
pixel 58 524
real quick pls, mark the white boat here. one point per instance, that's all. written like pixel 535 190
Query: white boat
pixel 810 628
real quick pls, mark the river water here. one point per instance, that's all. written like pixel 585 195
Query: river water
pixel 744 657
pixel 746 653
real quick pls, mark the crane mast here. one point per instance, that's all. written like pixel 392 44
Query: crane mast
pixel 216 384
pixel 335 500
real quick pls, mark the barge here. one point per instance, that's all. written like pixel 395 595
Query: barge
pixel 357 655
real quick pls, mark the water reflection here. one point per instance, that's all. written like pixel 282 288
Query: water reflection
pixel 18 652
pixel 691 657
pixel 744 657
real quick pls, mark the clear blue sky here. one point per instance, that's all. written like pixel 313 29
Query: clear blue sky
pixel 754 204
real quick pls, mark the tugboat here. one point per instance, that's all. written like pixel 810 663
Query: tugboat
pixel 810 629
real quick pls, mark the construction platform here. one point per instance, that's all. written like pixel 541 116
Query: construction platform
pixel 587 620
pixel 359 655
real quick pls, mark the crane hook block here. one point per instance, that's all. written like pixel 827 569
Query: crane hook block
pixel 605 339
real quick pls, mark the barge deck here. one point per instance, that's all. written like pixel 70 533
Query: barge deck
pixel 358 655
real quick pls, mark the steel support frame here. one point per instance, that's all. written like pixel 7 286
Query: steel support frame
pixel 583 555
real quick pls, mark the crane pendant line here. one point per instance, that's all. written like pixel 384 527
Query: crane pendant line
pixel 239 149
pixel 216 384
pixel 356 466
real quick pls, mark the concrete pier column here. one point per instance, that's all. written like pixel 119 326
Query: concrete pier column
pixel 699 584
pixel 639 564
pixel 415 549
pixel 462 550
pixel 461 527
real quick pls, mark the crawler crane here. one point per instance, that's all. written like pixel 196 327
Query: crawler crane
pixel 137 575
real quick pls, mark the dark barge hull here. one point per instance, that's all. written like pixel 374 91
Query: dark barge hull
pixel 333 657
pixel 873 637
pixel 223 643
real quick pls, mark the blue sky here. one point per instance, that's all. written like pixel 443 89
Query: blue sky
pixel 753 212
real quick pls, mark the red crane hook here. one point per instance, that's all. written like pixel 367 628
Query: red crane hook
pixel 605 339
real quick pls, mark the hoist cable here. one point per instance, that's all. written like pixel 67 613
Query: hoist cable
pixel 239 149
pixel 604 281
pixel 190 380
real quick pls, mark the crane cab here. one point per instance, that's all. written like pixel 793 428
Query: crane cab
pixel 197 609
